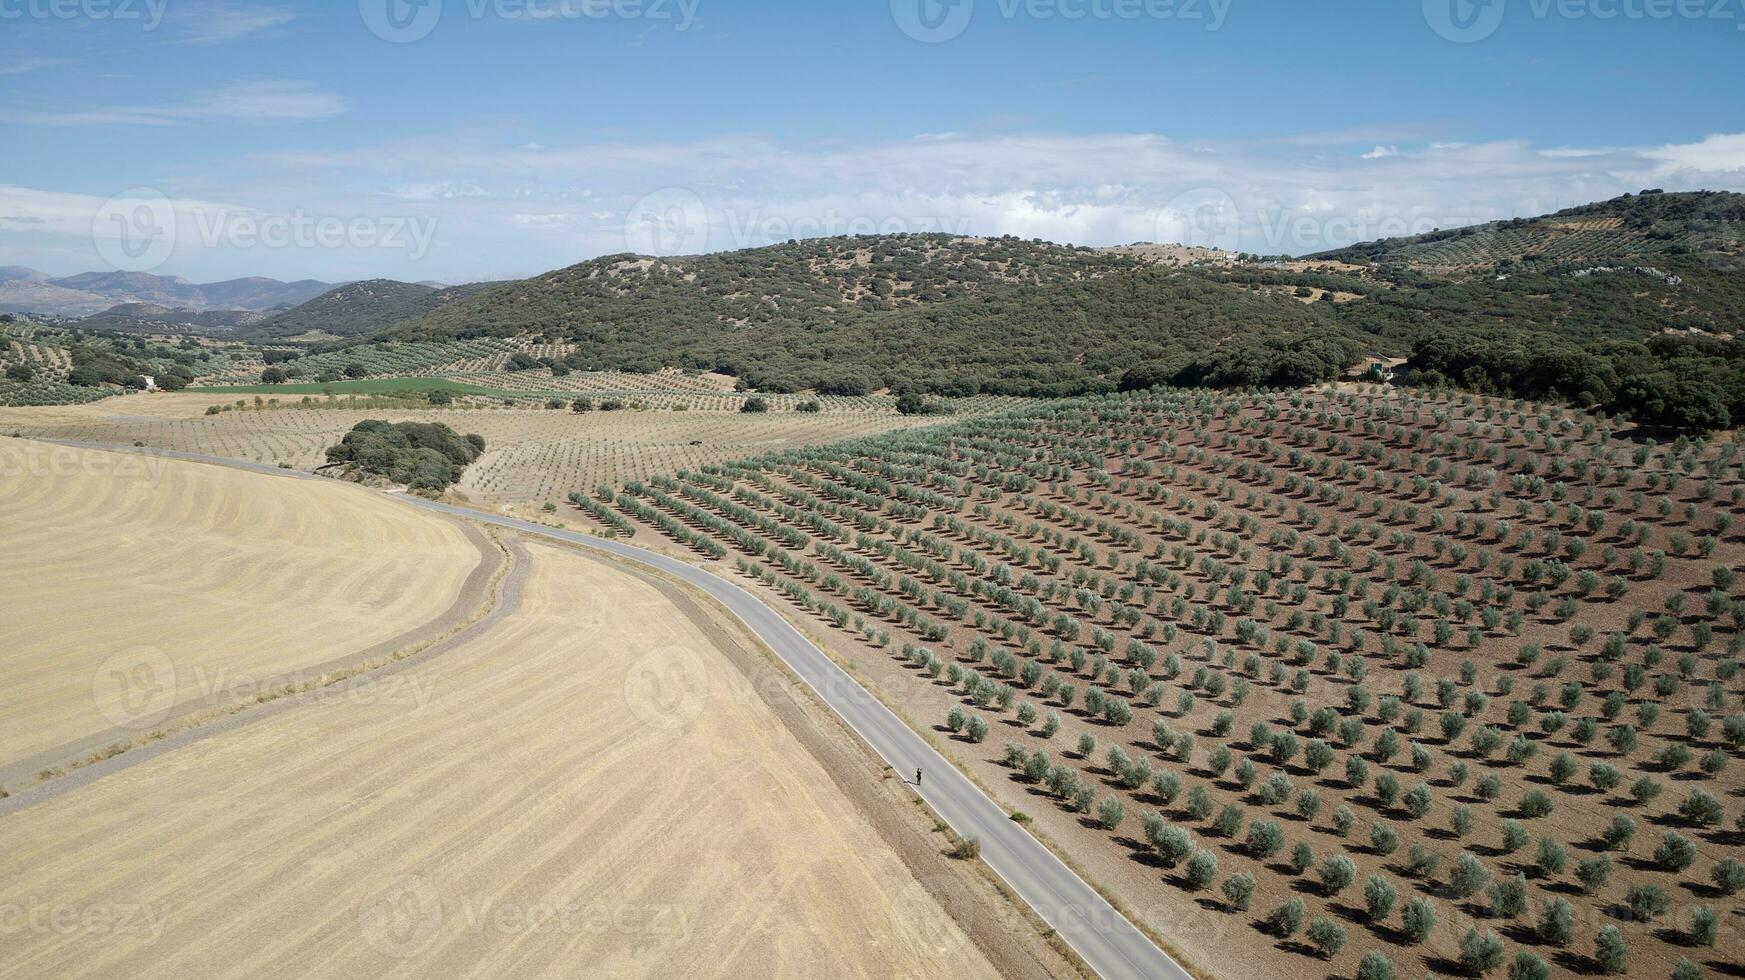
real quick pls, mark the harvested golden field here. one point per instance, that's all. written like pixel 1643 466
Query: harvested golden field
pixel 534 455
pixel 547 798
pixel 138 591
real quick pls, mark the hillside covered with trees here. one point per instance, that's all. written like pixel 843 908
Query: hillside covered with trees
pixel 359 308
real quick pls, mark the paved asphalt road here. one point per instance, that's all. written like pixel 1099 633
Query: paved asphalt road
pixel 1102 936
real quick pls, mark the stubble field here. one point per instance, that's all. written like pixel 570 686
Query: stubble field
pixel 575 785
pixel 139 591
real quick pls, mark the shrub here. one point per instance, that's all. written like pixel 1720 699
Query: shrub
pixel 967 848
pixel 1167 786
pixel 1705 926
pixel 1528 966
pixel 1609 950
pixel 1675 852
pixel 1265 839
pixel 1701 810
pixel 1646 902
pixel 1110 812
pixel 1480 953
pixel 1686 970
pixel 1239 890
pixel 1201 870
pixel 1535 804
pixel 1378 898
pixel 1619 833
pixel 1418 920
pixel 1199 803
pixel 1287 918
pixel 1594 873
pixel 1556 923
pixel 1552 857
pixel 1327 936
pixel 1336 874
pixel 1174 845
pixel 1469 875
pixel 1421 862
pixel 1384 839
pixel 977 729
pixel 1509 897
pixel 1728 874
pixel 1515 836
pixel 1417 801
pixel 1375 966
pixel 1229 821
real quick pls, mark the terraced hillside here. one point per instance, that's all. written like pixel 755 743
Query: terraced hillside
pixel 1332 675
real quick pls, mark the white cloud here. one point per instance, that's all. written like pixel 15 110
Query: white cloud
pixel 262 101
pixel 525 207
pixel 1721 153
pixel 1382 152
pixel 221 21
pixel 20 66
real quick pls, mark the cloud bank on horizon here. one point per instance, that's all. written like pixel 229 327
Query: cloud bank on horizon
pixel 491 211
pixel 491 138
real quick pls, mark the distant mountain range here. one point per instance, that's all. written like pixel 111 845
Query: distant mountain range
pixel 24 290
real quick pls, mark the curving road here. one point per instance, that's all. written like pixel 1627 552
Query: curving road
pixel 1107 941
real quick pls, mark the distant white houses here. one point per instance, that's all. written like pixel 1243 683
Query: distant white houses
pixel 151 383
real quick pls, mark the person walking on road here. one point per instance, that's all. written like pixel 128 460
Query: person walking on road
pixel 917 778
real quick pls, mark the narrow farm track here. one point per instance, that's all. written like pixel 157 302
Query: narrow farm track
pixel 1109 943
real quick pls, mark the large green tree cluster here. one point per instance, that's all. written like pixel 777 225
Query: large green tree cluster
pixel 422 455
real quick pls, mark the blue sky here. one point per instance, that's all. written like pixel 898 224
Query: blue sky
pixel 488 138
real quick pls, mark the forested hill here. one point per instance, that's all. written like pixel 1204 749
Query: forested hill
pixel 829 280
pixel 1561 306
pixel 360 308
pixel 934 314
pixel 1634 228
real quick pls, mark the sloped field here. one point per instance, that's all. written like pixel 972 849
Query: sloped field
pixel 583 790
pixel 138 590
